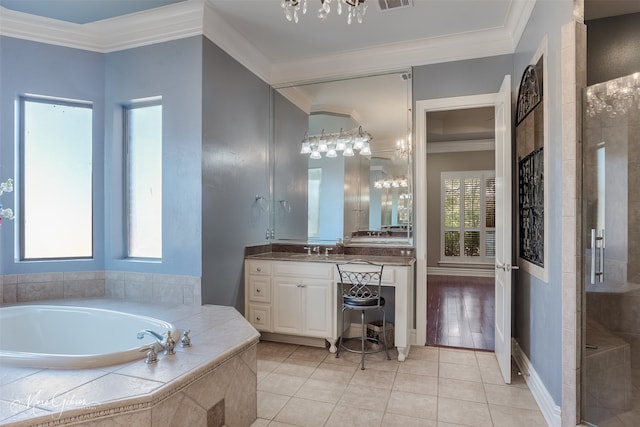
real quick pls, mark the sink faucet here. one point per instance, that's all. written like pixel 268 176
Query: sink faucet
pixel 316 250
pixel 167 343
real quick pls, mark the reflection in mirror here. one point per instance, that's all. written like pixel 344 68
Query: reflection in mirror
pixel 342 161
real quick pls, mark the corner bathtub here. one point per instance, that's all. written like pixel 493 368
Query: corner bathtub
pixel 50 336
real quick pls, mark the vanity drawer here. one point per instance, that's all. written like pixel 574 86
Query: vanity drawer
pixel 262 268
pixel 318 270
pixel 260 317
pixel 260 289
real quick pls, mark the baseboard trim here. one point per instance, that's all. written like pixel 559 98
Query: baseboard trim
pixel 551 412
pixel 468 272
pixel 293 339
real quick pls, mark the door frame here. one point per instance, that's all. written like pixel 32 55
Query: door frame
pixel 422 107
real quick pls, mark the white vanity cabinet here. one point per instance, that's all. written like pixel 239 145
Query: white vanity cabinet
pixel 298 301
pixel 303 295
pixel 258 294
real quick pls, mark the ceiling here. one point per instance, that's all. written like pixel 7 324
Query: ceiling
pixel 262 23
pixel 428 31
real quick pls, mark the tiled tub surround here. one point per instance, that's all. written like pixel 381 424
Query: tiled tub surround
pixel 212 383
pixel 163 288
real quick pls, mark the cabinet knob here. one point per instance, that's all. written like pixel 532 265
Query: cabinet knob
pixel 258 319
pixel 258 269
pixel 258 290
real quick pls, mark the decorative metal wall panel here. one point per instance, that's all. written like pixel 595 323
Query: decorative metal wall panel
pixel 530 92
pixel 531 204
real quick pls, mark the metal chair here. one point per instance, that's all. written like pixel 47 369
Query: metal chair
pixel 360 283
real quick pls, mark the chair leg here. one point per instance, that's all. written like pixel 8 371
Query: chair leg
pixel 341 330
pixel 384 334
pixel 363 340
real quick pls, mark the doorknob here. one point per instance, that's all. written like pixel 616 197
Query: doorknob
pixel 506 267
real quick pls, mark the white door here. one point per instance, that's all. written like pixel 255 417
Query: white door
pixel 503 229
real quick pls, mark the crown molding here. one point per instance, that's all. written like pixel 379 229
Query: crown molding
pixel 35 28
pixel 393 56
pixel 235 44
pixel 518 18
pixel 157 25
pixel 297 97
pixel 198 17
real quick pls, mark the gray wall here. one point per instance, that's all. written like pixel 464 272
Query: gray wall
pixel 40 69
pixel 290 179
pixel 446 162
pixel 141 73
pixel 235 137
pixel 460 78
pixel 612 47
pixel 538 305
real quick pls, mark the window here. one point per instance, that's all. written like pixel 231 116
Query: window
pixel 143 158
pixel 56 173
pixel 468 216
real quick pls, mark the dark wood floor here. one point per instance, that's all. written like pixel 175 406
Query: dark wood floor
pixel 460 312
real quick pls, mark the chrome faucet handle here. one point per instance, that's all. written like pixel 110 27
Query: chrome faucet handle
pixel 327 250
pixel 152 355
pixel 308 248
pixel 316 249
pixel 169 344
pixel 186 339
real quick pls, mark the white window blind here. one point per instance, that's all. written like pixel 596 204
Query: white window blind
pixel 468 216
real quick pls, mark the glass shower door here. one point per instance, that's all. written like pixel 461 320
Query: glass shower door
pixel 611 235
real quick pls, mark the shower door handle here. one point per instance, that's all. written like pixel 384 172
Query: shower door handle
pixel 597 256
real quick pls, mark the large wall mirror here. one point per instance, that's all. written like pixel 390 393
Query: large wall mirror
pixel 342 161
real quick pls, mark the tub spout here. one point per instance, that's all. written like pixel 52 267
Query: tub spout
pixel 156 335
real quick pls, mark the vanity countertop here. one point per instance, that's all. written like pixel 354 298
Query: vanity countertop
pixel 303 257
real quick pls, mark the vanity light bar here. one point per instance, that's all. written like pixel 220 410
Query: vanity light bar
pixel 331 143
pixel 392 183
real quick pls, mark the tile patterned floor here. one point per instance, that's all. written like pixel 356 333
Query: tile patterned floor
pixel 438 387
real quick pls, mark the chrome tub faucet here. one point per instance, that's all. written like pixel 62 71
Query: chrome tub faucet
pixel 168 343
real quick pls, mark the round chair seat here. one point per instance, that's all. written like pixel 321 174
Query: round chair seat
pixel 359 302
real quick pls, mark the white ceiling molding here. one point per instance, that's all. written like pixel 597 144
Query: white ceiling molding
pixel 231 41
pixel 198 17
pixel 35 28
pixel 393 57
pixel 461 146
pixel 171 22
pixel 518 18
pixel 297 97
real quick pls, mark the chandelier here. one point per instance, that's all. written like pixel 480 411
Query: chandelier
pixel 331 143
pixel 615 97
pixel 355 9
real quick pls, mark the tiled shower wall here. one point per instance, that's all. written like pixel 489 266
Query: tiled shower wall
pixel 91 284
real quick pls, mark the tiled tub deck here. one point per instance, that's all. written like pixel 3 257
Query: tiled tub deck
pixel 212 383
